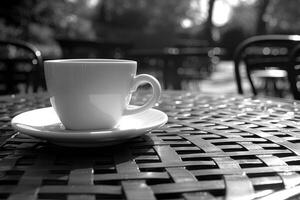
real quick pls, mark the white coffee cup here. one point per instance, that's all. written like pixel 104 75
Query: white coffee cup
pixel 92 94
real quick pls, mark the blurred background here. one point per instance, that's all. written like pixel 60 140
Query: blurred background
pixel 186 44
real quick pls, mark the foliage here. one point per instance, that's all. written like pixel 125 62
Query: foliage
pixel 149 23
pixel 155 19
pixel 283 16
pixel 53 18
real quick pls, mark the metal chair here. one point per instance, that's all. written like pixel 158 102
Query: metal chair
pixel 294 72
pixel 267 58
pixel 21 63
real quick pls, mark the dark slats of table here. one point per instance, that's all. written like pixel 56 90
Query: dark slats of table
pixel 213 147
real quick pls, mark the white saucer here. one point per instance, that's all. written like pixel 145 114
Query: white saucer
pixel 44 124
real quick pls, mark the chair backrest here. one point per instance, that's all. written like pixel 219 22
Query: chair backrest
pixel 20 62
pixel 261 52
pixel 294 71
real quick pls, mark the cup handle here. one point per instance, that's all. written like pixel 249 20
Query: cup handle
pixel 156 92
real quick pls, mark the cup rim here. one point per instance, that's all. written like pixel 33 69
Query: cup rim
pixel 90 60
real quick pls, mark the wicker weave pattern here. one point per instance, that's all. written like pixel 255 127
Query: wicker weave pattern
pixel 213 147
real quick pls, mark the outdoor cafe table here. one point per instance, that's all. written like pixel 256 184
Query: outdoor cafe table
pixel 213 147
pixel 172 59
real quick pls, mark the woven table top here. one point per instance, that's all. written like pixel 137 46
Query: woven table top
pixel 213 147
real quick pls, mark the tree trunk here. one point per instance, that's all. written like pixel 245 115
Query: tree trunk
pixel 261 27
pixel 209 25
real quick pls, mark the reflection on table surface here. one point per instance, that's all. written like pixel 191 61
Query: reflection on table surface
pixel 213 147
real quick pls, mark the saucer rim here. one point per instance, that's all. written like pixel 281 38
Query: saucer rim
pixel 97 137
